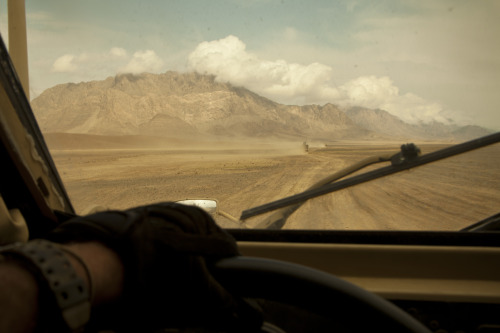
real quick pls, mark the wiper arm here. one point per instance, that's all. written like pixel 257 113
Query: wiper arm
pixel 398 164
pixel 489 224
pixel 278 218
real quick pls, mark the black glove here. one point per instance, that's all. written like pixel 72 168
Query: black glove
pixel 167 250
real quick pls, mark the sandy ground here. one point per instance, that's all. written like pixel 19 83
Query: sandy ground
pixel 447 195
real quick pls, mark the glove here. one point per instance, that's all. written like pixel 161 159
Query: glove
pixel 167 251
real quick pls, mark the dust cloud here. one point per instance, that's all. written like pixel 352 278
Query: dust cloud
pixel 123 172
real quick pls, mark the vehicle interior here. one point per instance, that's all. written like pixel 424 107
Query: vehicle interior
pixel 305 280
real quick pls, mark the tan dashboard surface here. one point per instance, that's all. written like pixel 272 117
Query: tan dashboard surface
pixel 432 273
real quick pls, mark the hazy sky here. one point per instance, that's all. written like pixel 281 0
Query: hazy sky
pixel 422 60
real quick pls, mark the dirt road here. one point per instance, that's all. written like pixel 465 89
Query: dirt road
pixel 446 196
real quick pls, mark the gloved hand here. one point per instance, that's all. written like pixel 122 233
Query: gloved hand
pixel 167 250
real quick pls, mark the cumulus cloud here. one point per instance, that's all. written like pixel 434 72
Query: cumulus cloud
pixel 369 91
pixel 294 83
pixel 143 61
pixel 65 64
pixel 118 52
pixel 228 59
pixel 115 60
pixel 381 93
pixel 85 63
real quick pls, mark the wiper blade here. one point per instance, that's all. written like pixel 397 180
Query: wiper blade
pixel 278 219
pixel 397 166
pixel 489 224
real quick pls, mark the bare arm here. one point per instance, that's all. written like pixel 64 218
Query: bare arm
pixel 19 295
pixel 19 290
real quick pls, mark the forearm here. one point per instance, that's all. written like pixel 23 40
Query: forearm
pixel 105 269
pixel 19 290
pixel 19 299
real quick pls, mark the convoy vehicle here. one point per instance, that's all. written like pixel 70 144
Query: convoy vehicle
pixel 311 280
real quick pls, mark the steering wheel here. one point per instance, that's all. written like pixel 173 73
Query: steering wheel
pixel 314 291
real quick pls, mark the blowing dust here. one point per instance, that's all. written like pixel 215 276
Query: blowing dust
pixel 119 173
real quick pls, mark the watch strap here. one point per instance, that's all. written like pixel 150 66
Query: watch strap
pixel 67 293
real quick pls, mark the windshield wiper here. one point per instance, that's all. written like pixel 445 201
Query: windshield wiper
pixel 400 163
pixel 489 224
pixel 278 219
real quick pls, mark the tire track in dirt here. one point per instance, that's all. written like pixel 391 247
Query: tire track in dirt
pixel 446 196
pixel 293 176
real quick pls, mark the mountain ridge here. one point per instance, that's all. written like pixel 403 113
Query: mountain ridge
pixel 175 104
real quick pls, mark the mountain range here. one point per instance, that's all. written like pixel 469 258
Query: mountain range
pixel 178 105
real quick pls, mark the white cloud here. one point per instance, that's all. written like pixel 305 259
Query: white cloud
pixel 143 61
pixel 414 109
pixel 87 66
pixel 225 58
pixel 65 64
pixel 381 93
pixel 369 91
pixel 228 59
pixel 295 83
pixel 86 63
pixel 118 52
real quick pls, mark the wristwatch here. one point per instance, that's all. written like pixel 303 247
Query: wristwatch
pixel 64 299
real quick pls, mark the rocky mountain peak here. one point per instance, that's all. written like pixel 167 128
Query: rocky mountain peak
pixel 175 104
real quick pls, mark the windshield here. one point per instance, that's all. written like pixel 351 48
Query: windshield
pixel 247 102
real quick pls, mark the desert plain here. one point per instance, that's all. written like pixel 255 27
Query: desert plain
pixel 119 173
